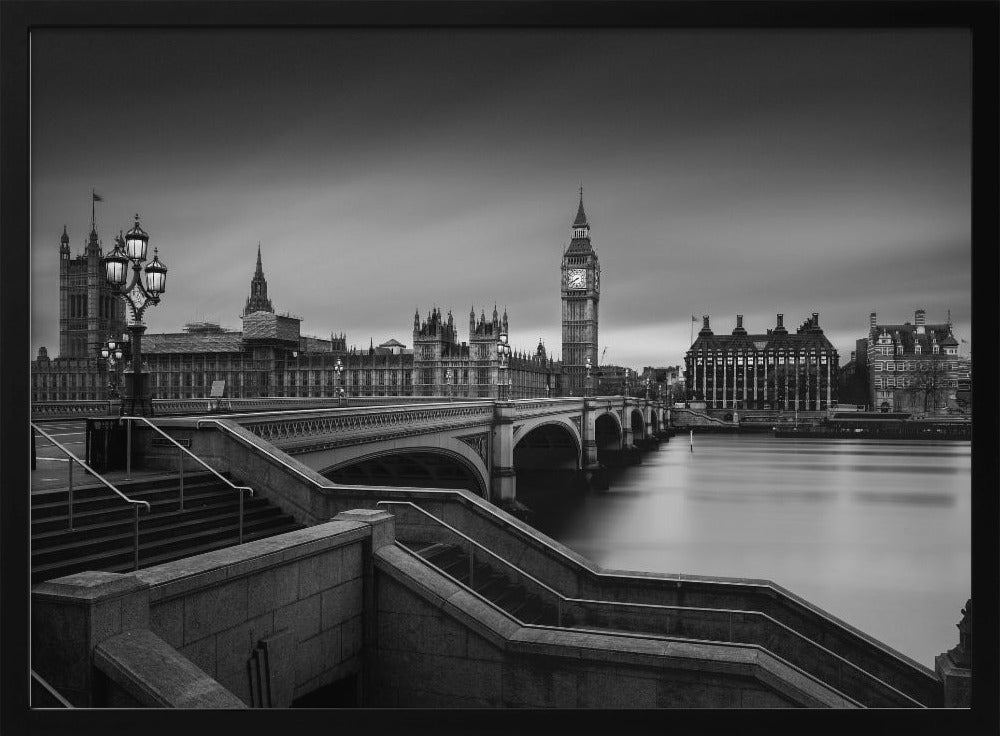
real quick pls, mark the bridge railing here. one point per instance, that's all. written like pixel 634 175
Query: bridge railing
pixel 205 405
pixel 290 426
pixel 62 409
pixel 104 481
pixel 686 623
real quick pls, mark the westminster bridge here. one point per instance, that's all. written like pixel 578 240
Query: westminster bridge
pixel 479 445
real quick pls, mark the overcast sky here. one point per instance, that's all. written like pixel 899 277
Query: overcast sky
pixel 724 172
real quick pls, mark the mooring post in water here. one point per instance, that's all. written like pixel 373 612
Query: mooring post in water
pixel 692 440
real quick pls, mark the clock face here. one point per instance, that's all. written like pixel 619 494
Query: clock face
pixel 576 278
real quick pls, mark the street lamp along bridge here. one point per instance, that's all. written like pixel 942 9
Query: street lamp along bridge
pixel 131 250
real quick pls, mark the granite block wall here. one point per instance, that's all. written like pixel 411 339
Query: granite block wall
pixel 308 584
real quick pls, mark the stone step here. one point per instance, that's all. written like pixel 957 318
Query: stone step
pixel 169 526
pixel 120 559
pixel 54 502
pixel 85 526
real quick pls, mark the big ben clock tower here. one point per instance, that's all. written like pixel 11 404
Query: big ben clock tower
pixel 581 292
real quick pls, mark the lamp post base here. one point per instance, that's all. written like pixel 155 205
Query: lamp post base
pixel 137 402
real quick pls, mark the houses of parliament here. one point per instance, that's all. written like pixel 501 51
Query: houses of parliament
pixel 270 356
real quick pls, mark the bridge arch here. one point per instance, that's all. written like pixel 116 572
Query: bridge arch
pixel 654 421
pixel 548 443
pixel 608 434
pixel 417 466
pixel 638 423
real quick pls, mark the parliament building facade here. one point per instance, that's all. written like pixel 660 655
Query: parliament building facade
pixel 270 356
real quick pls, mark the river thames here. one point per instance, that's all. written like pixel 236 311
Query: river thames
pixel 877 533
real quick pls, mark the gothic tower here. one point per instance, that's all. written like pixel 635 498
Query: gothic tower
pixel 89 311
pixel 258 301
pixel 581 292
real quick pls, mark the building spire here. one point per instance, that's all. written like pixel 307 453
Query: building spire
pixel 581 216
pixel 258 300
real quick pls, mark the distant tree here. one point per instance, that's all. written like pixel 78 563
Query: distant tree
pixel 677 392
pixel 927 383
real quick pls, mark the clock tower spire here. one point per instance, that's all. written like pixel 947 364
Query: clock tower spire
pixel 581 293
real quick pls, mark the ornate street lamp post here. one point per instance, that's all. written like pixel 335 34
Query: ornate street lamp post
pixel 647 388
pixel 115 352
pixel 447 379
pixel 503 352
pixel 338 368
pixel 138 297
pixel 587 388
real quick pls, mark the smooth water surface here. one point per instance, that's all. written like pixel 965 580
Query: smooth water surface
pixel 877 533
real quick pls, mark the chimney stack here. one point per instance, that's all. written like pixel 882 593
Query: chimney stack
pixel 781 321
pixel 815 319
pixel 704 322
pixel 739 321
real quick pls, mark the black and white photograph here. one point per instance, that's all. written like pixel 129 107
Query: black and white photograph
pixel 560 366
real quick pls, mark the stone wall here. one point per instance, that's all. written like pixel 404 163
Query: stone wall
pixel 216 608
pixel 293 604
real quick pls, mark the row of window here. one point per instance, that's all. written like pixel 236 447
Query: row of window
pixel 755 360
pixel 907 382
pixel 910 365
pixel 917 350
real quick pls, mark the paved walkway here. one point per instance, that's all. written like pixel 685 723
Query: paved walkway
pixel 52 466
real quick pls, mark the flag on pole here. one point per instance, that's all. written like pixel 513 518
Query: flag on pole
pixel 97 197
pixel 693 318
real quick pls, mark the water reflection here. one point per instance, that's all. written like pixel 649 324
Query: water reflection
pixel 875 532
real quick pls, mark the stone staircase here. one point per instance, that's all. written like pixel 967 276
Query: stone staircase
pixel 489 582
pixel 102 533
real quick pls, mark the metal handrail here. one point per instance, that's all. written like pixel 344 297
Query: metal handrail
pixel 560 599
pixel 50 690
pixel 135 503
pixel 473 543
pixel 489 510
pixel 197 459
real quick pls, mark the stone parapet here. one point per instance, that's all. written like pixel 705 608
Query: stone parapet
pixel 144 670
pixel 957 682
pixel 71 616
pixel 440 646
